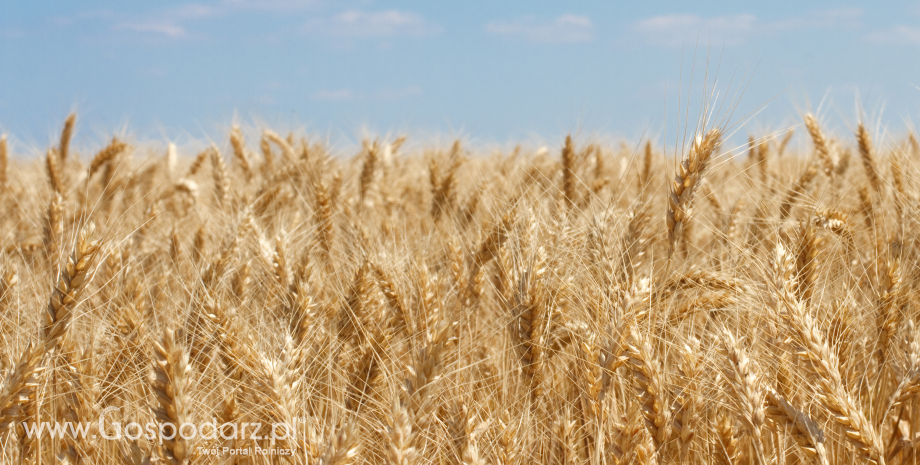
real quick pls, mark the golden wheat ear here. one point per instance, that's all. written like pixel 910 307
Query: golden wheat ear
pixel 687 178
pixel 822 146
pixel 170 385
pixel 66 135
pixel 4 160
pixel 72 280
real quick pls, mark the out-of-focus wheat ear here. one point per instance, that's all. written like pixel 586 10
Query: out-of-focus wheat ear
pixel 106 156
pixel 822 147
pixel 532 324
pixel 713 200
pixel 231 342
pixel 239 151
pixel 400 450
pixel 910 384
pixel 843 163
pixel 633 443
pixel 368 169
pixel 590 364
pixel 242 282
pixel 66 135
pixel 280 267
pixel 686 402
pixel 303 322
pixel 492 245
pixel 731 224
pixel 696 278
pixel 425 373
pixel 456 429
pixel 458 266
pixel 913 143
pixel 54 174
pixel 836 222
pixel 8 281
pixel 687 177
pixel 763 150
pixel 806 433
pixel 781 149
pixel 812 348
pixel 323 219
pixel 198 162
pixel 796 191
pixel 564 432
pixel 53 228
pixel 80 405
pixel 4 159
pixel 900 191
pixel 19 387
pixel 725 444
pixel 599 174
pixel 219 267
pixel 568 173
pixel 268 166
pixel 807 263
pixel 867 154
pixel 131 453
pixel 402 319
pixel 343 447
pixel 509 441
pixel 172 160
pixel 366 373
pixel 170 384
pixel 867 206
pixel 889 311
pixel 221 178
pixel 357 316
pixel 72 280
pixel 647 374
pixel 199 243
pixel 443 183
pixel 645 175
pixel 29 444
pixel 748 395
pixel 282 143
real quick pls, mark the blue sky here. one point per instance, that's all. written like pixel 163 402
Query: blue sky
pixel 495 71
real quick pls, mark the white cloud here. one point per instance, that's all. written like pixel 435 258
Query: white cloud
pixel 271 5
pixel 899 35
pixel 678 29
pixel 154 27
pixel 675 30
pixel 841 17
pixel 567 28
pixel 192 11
pixel 334 95
pixel 362 24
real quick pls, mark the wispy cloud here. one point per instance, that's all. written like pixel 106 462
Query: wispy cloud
pixel 839 18
pixel 674 30
pixel 179 21
pixel 161 28
pixel 567 28
pixel 677 29
pixel 271 5
pixel 362 24
pixel 898 35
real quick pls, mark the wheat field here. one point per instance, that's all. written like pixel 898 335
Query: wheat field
pixel 425 304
